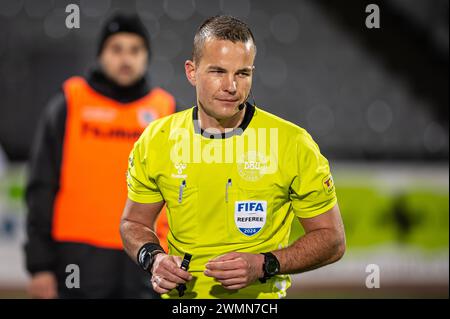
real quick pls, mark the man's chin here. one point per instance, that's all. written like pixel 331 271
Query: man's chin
pixel 227 113
pixel 220 111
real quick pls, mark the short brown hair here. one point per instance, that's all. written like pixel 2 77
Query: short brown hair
pixel 221 27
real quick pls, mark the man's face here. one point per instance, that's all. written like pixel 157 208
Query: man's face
pixel 124 58
pixel 223 76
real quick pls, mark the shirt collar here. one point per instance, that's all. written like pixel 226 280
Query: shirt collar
pixel 249 112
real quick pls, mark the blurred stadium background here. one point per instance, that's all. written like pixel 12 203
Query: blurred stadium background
pixel 375 100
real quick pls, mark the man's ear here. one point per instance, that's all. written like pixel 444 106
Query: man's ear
pixel 189 68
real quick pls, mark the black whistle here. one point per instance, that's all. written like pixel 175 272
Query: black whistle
pixel 185 266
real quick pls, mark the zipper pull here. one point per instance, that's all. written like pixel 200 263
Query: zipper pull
pixel 180 193
pixel 226 189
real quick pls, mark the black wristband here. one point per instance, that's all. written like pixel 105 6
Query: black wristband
pixel 147 249
pixel 271 266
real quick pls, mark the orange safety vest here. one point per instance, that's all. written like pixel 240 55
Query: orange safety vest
pixel 100 133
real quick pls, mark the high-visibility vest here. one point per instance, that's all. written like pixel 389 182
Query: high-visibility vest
pixel 100 133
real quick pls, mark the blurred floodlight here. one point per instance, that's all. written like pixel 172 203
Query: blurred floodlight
pixel 379 116
pixel 179 9
pixel 284 27
pixel 55 24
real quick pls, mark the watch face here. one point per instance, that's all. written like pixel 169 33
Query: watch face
pixel 145 259
pixel 272 266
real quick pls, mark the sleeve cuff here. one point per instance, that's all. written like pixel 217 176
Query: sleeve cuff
pixel 326 206
pixel 145 198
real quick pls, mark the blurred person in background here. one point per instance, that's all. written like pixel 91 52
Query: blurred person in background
pixel 75 192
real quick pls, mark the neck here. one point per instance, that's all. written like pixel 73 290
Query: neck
pixel 207 121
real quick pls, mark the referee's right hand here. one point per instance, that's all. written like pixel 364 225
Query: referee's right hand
pixel 167 274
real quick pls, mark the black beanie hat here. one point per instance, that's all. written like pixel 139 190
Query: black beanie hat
pixel 123 23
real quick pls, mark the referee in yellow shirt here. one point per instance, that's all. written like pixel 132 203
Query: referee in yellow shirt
pixel 233 177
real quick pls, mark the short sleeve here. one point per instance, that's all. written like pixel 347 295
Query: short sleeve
pixel 141 187
pixel 312 191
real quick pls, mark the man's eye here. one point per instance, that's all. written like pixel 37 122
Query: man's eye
pixel 116 49
pixel 244 74
pixel 217 71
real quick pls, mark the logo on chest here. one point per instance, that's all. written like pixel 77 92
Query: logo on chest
pixel 180 167
pixel 250 216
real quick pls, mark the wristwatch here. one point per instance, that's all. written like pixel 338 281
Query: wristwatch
pixel 146 256
pixel 271 266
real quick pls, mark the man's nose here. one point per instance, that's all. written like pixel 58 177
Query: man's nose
pixel 127 58
pixel 229 84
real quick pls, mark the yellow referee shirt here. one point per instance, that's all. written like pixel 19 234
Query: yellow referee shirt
pixel 236 191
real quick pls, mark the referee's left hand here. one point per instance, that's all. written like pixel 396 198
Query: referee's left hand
pixel 236 270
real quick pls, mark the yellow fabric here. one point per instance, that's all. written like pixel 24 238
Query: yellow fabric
pixel 274 172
